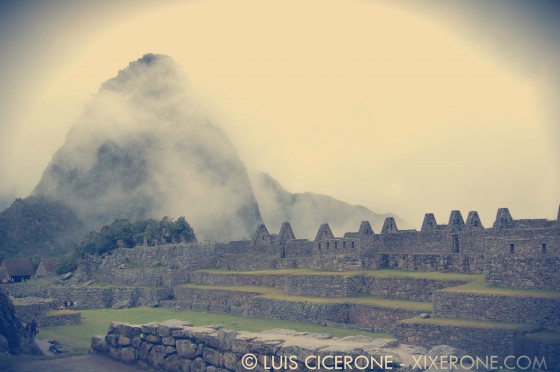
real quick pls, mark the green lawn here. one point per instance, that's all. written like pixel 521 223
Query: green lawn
pixel 278 294
pixel 403 274
pixel 480 287
pixel 545 336
pixel 466 323
pixel 97 321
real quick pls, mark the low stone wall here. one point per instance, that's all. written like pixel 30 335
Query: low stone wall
pixel 360 316
pixel 30 308
pixel 538 270
pixel 236 279
pixel 325 285
pixel 542 311
pixel 236 262
pixel 177 346
pixel 406 288
pixel 92 297
pixel 480 342
pixel 59 317
pixel 472 263
pixel 218 301
pixel 166 265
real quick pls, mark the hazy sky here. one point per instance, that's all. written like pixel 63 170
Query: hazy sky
pixel 401 106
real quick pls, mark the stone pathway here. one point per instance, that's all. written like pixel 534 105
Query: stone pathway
pixel 82 363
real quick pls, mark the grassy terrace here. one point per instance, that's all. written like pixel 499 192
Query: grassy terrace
pixel 479 287
pixel 545 336
pixel 401 274
pixel 278 294
pixel 465 323
pixel 44 282
pixel 96 322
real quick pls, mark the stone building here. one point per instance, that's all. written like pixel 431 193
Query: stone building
pixel 16 270
pixel 46 268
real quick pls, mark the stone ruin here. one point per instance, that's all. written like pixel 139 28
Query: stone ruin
pixel 511 253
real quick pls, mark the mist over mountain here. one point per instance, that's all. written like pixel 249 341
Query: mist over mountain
pixel 307 211
pixel 143 149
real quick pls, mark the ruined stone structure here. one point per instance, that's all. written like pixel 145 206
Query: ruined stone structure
pixel 514 253
pixel 337 281
pixel 178 346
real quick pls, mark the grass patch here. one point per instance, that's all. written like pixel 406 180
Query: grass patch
pixel 431 275
pixel 278 294
pixel 466 323
pixel 480 287
pixel 96 322
pixel 546 336
pixel 59 312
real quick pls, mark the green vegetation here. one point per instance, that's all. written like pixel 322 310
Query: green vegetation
pixel 278 294
pixel 484 324
pixel 546 336
pixel 128 234
pixel 430 275
pixel 31 227
pixel 96 322
pixel 123 233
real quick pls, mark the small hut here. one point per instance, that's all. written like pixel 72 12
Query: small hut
pixel 47 267
pixel 16 270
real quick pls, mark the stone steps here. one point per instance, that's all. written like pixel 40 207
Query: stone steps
pixel 329 284
pixel 541 310
pixel 367 313
pixel 507 339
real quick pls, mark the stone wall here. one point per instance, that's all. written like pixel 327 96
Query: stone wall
pixel 525 267
pixel 165 265
pixel 30 308
pixel 236 279
pixel 517 309
pixel 244 262
pixel 178 346
pixel 59 317
pixel 405 288
pixel 325 285
pixel 92 297
pixel 348 315
pixel 479 341
pixel 232 302
pixel 445 262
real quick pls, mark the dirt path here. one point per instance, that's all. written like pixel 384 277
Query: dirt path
pixel 82 363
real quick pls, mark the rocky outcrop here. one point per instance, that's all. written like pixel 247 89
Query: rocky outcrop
pixel 13 337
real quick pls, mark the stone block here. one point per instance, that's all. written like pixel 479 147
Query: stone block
pixel 99 344
pixel 124 341
pixel 186 349
pixel 156 356
pixel 128 355
pixel 213 356
pixel 198 365
pixel 153 339
pixel 172 363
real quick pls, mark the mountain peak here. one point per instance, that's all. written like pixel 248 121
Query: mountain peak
pixel 144 149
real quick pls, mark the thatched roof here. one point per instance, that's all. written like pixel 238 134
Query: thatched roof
pixel 17 267
pixel 49 264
